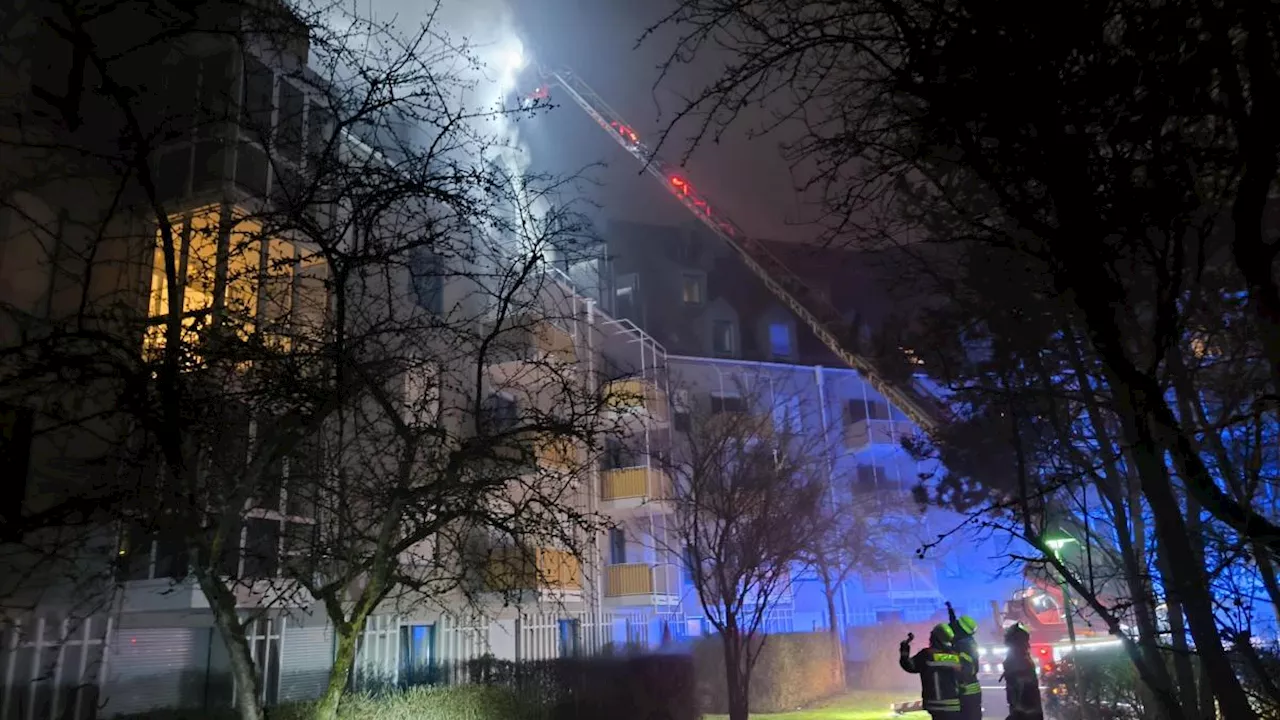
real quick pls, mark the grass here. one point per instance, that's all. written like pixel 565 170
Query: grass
pixel 851 706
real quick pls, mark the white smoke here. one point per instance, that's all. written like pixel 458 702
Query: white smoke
pixel 489 55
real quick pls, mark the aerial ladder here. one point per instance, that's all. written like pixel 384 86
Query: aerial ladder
pixel 815 310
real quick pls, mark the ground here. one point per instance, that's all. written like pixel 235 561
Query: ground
pixel 852 706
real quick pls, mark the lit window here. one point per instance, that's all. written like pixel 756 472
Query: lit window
pixel 264 287
pixel 722 340
pixel 692 289
pixel 780 339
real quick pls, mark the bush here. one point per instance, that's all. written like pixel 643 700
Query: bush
pixel 423 703
pixel 794 670
pixel 645 687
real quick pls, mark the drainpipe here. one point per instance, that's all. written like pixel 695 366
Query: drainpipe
pixel 820 379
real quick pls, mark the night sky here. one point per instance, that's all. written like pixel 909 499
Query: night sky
pixel 597 39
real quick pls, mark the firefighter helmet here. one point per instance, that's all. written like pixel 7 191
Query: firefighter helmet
pixel 941 636
pixel 968 625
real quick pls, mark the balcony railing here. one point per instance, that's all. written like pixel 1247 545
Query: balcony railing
pixel 637 395
pixel 635 482
pixel 636 579
pixel 513 569
pixel 535 341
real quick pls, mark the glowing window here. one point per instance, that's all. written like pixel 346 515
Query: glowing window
pixel 780 339
pixel 691 289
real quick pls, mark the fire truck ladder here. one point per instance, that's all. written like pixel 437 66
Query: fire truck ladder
pixel 813 309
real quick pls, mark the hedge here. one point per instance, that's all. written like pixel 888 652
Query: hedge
pixel 793 670
pixel 632 688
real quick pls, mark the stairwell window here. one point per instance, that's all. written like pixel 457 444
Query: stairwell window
pixel 692 289
pixel 723 337
pixel 780 340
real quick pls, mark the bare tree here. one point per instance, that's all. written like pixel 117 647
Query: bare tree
pixel 272 236
pixel 748 505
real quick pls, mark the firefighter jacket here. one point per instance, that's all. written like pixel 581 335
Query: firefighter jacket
pixel 1021 686
pixel 940 672
pixel 968 645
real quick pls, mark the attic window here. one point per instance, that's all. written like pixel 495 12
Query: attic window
pixel 691 289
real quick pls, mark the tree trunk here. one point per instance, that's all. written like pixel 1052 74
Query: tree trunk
pixel 1188 579
pixel 735 681
pixel 1183 669
pixel 343 660
pixel 829 590
pixel 248 694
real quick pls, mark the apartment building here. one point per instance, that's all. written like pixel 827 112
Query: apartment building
pixel 129 630
pixel 834 412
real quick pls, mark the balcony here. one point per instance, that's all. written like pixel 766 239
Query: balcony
pixel 632 487
pixel 537 450
pixel 879 436
pixel 539 569
pixel 637 397
pixel 530 343
pixel 641 584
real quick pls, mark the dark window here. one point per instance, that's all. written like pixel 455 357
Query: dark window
pixel 171 555
pixel 175 167
pixel 261 548
pixel 317 135
pixel 682 421
pixel 722 340
pixel 16 427
pixel 691 289
pixel 209 165
pixel 727 404
pixel 289 122
pixel 690 562
pixel 258 93
pixel 133 558
pixel 427 275
pixel 858 409
pixel 417 653
pixel 500 414
pixel 229 562
pixel 569 638
pixel 215 95
pixel 780 339
pixel 304 476
pixel 251 169
pixel 617 546
pixel 865 479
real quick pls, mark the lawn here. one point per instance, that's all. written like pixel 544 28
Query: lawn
pixel 853 706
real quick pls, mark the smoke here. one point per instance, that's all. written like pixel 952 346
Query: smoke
pixel 490 55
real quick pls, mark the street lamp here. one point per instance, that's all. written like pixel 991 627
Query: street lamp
pixel 1055 542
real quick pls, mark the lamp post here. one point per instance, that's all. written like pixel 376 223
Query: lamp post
pixel 1055 543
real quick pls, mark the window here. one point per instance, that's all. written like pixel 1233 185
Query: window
pixel 680 405
pixel 569 638
pixel 780 339
pixel 265 286
pixel 258 97
pixel 691 288
pixel 722 337
pixel 865 478
pixel 147 555
pixel 289 140
pixel 617 546
pixel 16 428
pixel 427 275
pixel 499 414
pixel 786 415
pixel 417 653
pixel 858 410
pixel 727 404
pixel 261 548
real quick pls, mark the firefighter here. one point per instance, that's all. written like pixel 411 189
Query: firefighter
pixel 940 669
pixel 1021 686
pixel 965 630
